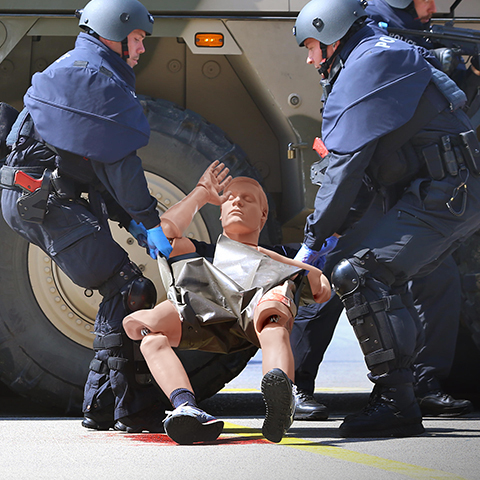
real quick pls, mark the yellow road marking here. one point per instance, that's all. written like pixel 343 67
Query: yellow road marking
pixel 412 471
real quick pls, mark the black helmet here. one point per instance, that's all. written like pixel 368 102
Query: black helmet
pixel 399 3
pixel 327 20
pixel 115 19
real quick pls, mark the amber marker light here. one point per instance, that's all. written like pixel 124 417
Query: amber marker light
pixel 209 40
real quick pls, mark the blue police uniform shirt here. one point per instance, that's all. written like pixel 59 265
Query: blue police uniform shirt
pixel 90 91
pixel 376 91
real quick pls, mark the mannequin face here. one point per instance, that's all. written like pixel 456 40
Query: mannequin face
pixel 242 211
pixel 425 9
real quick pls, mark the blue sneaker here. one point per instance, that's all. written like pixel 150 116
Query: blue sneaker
pixel 187 425
pixel 280 404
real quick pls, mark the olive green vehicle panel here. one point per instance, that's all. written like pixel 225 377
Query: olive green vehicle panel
pixel 246 88
pixel 159 6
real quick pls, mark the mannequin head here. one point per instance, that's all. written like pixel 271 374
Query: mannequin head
pixel 245 211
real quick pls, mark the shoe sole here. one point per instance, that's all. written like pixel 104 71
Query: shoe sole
pixel 97 426
pixel 120 427
pixel 278 398
pixel 186 430
pixel 445 412
pixel 408 430
pixel 311 416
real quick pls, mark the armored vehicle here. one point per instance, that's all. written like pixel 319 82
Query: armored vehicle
pixel 220 79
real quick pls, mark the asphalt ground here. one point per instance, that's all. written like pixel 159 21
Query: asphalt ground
pixel 36 447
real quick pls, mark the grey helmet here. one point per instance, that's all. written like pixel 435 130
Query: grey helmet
pixel 399 3
pixel 115 19
pixel 327 20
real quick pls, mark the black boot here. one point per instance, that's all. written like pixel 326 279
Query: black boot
pixel 98 420
pixel 441 404
pixel 307 408
pixel 391 412
pixel 149 419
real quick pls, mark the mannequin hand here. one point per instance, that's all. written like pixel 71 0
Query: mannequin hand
pixel 139 232
pixel 158 243
pixel 214 180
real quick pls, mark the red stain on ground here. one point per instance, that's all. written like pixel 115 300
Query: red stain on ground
pixel 163 439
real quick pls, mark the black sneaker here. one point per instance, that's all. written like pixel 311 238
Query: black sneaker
pixel 280 404
pixel 307 408
pixel 187 425
pixel 383 417
pixel 440 404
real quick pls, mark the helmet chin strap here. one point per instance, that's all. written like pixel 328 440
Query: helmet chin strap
pixel 325 66
pixel 125 54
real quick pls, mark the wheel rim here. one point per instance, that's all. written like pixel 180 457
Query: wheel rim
pixel 72 309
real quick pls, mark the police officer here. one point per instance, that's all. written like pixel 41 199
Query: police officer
pixel 437 296
pixel 416 15
pixel 391 122
pixel 78 134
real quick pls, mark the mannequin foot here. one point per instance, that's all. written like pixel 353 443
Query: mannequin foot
pixel 280 404
pixel 187 425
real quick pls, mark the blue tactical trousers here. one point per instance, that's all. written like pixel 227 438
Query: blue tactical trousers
pixel 437 299
pixel 81 244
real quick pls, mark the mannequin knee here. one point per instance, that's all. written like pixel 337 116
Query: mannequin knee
pixel 153 343
pixel 133 326
pixel 276 308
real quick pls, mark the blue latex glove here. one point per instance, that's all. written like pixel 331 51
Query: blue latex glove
pixel 139 232
pixel 158 243
pixel 314 257
pixel 328 245
pixel 307 255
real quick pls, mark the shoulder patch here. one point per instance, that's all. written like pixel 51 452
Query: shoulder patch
pixel 80 63
pixel 106 71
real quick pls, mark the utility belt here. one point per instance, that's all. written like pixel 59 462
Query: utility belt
pixel 35 183
pixel 454 154
pixel 32 204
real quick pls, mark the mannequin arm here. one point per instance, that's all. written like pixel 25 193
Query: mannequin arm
pixel 319 284
pixel 177 218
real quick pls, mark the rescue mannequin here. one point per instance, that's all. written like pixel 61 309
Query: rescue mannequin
pixel 244 210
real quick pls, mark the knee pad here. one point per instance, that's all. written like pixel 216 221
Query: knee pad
pixel 369 318
pixel 138 292
pixel 278 306
pixel 345 279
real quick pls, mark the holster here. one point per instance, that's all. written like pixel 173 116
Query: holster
pixel 33 206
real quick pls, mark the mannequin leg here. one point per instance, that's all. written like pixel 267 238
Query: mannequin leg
pixel 165 327
pixel 276 350
pixel 164 364
pixel 273 323
pixel 162 330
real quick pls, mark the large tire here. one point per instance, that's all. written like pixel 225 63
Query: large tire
pixel 46 322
